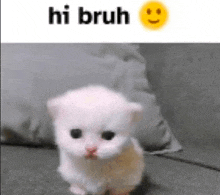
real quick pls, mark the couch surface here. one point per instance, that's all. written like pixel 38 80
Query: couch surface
pixel 32 171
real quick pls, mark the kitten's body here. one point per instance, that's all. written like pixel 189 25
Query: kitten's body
pixel 96 176
pixel 117 163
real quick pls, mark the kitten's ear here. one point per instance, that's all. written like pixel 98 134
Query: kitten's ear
pixel 53 106
pixel 136 112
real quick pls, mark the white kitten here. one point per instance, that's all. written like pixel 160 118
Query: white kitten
pixel 93 130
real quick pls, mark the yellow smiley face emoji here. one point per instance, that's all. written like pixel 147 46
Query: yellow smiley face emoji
pixel 153 15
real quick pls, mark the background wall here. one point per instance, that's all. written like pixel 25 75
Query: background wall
pixel 186 80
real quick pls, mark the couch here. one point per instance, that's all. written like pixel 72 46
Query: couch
pixel 185 80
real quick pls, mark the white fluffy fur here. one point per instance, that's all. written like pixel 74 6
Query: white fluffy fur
pixel 94 109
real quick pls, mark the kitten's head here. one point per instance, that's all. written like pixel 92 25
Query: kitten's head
pixel 93 122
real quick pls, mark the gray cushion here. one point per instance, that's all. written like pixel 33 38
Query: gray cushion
pixel 33 73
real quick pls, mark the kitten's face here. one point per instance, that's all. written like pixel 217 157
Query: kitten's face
pixel 93 134
pixel 93 122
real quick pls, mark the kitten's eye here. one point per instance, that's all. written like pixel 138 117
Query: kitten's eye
pixel 76 133
pixel 108 135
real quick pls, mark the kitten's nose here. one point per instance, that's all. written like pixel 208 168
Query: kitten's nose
pixel 91 149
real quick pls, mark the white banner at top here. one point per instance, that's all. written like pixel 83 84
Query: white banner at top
pixel 74 21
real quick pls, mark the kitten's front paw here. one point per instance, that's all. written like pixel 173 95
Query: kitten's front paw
pixel 77 190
